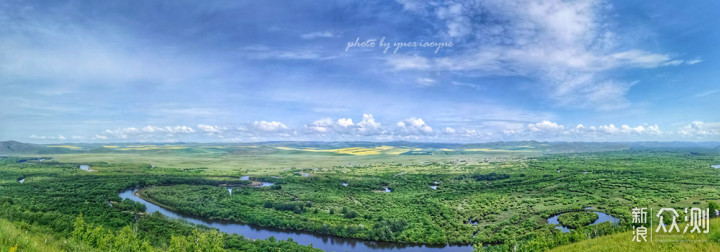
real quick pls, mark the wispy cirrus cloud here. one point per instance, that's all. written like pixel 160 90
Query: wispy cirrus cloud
pixel 568 47
pixel 706 93
pixel 319 34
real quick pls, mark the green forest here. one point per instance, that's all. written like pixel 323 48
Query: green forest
pixel 60 207
pixel 492 205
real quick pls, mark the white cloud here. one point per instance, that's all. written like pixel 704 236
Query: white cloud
pixel 552 131
pixel 465 84
pixel 612 130
pixel 168 129
pixel 469 135
pixel 345 122
pixel 412 5
pixel 706 93
pixel 209 128
pixel 368 125
pixel 269 126
pixel 567 46
pixel 700 129
pixel 33 136
pixel 266 53
pixel 609 129
pixel 322 125
pixel 674 63
pixel 642 59
pixel 320 34
pixel 449 130
pixel 653 129
pixel 411 129
pixel 405 62
pixel 458 24
pixel 425 81
pixel 640 129
pixel 693 61
pixel 545 126
pixel 59 137
pixel 414 126
pixel 325 125
pixel 123 132
pixel 180 129
pixel 151 129
pixel 147 131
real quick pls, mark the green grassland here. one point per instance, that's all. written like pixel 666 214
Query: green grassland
pixel 24 237
pixel 624 242
pixel 497 194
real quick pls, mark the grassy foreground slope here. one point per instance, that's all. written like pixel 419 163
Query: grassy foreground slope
pixel 20 236
pixel 623 242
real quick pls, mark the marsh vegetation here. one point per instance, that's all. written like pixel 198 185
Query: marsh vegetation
pixel 504 203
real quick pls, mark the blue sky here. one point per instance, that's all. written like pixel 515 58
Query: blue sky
pixel 243 71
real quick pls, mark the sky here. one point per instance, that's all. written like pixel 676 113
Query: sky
pixel 426 71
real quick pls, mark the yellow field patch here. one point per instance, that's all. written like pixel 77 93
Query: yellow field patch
pixel 152 147
pixel 384 147
pixel 360 151
pixel 64 146
pixel 396 151
pixel 447 150
pixel 172 147
pixel 144 148
pixel 110 146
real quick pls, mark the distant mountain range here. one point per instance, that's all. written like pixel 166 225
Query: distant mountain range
pixel 8 147
pixel 349 148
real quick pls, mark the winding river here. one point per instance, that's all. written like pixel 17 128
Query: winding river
pixel 321 241
pixel 602 217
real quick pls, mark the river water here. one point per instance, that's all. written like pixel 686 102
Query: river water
pixel 321 241
pixel 602 217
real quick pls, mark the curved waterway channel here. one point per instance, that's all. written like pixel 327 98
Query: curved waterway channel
pixel 321 241
pixel 602 217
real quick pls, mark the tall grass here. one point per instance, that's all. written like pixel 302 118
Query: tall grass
pixel 20 236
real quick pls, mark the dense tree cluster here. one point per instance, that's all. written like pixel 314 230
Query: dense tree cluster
pixel 577 219
pixel 490 177
pixel 297 208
